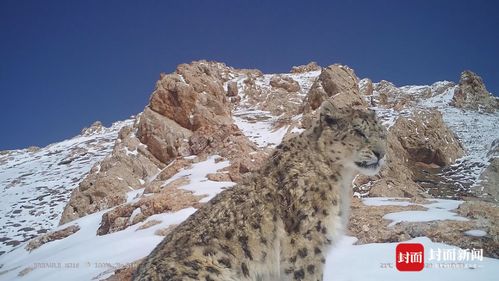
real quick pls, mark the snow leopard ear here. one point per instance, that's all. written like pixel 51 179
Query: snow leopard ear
pixel 330 115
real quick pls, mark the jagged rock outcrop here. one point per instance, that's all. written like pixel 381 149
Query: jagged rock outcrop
pixel 52 236
pixel 95 127
pixel 164 138
pixel 427 139
pixel 232 90
pixel 284 82
pixel 390 96
pixel 193 97
pixel 366 87
pixel 188 114
pixel 168 200
pixel 311 66
pixel 106 185
pixel 420 141
pixel 280 94
pixel 338 83
pixel 472 94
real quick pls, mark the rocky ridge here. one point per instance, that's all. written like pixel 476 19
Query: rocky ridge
pixel 207 112
pixel 36 183
pixel 471 93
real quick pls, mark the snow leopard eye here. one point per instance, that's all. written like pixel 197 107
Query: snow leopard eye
pixel 360 133
pixel 330 120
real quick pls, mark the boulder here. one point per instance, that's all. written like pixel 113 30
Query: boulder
pixel 390 96
pixel 169 200
pixel 232 90
pixel 472 94
pixel 284 82
pixel 338 83
pixel 366 87
pixel 164 138
pixel 51 236
pixel 226 140
pixel 311 66
pixel 427 139
pixel 193 97
pixel 94 128
pixel 107 183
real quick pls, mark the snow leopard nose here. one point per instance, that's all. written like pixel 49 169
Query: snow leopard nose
pixel 379 154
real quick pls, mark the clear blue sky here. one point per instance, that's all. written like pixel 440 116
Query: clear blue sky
pixel 65 64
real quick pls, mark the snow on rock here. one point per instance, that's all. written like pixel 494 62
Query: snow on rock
pixel 386 201
pixel 198 181
pixel 440 210
pixel 83 255
pixel 258 126
pixel 476 130
pixel 437 209
pixel 476 233
pixel 31 185
pixel 36 185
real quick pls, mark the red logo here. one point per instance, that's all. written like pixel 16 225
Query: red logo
pixel 409 257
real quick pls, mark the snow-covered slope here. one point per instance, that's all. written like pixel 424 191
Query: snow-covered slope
pixel 35 184
pixel 476 130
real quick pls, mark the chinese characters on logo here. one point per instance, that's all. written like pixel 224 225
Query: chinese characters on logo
pixel 453 254
pixel 409 257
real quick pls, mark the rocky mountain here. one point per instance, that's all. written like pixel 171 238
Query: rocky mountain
pixel 36 183
pixel 207 125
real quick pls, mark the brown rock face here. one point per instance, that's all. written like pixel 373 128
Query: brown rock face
pixel 311 66
pixel 165 139
pixel 418 143
pixel 284 82
pixel 169 200
pixel 232 90
pixel 193 97
pixel 427 139
pixel 392 97
pixel 340 84
pixel 188 114
pixel 95 127
pixel 337 83
pixel 107 182
pixel 226 141
pixel 366 87
pixel 51 236
pixel 368 225
pixel 472 94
